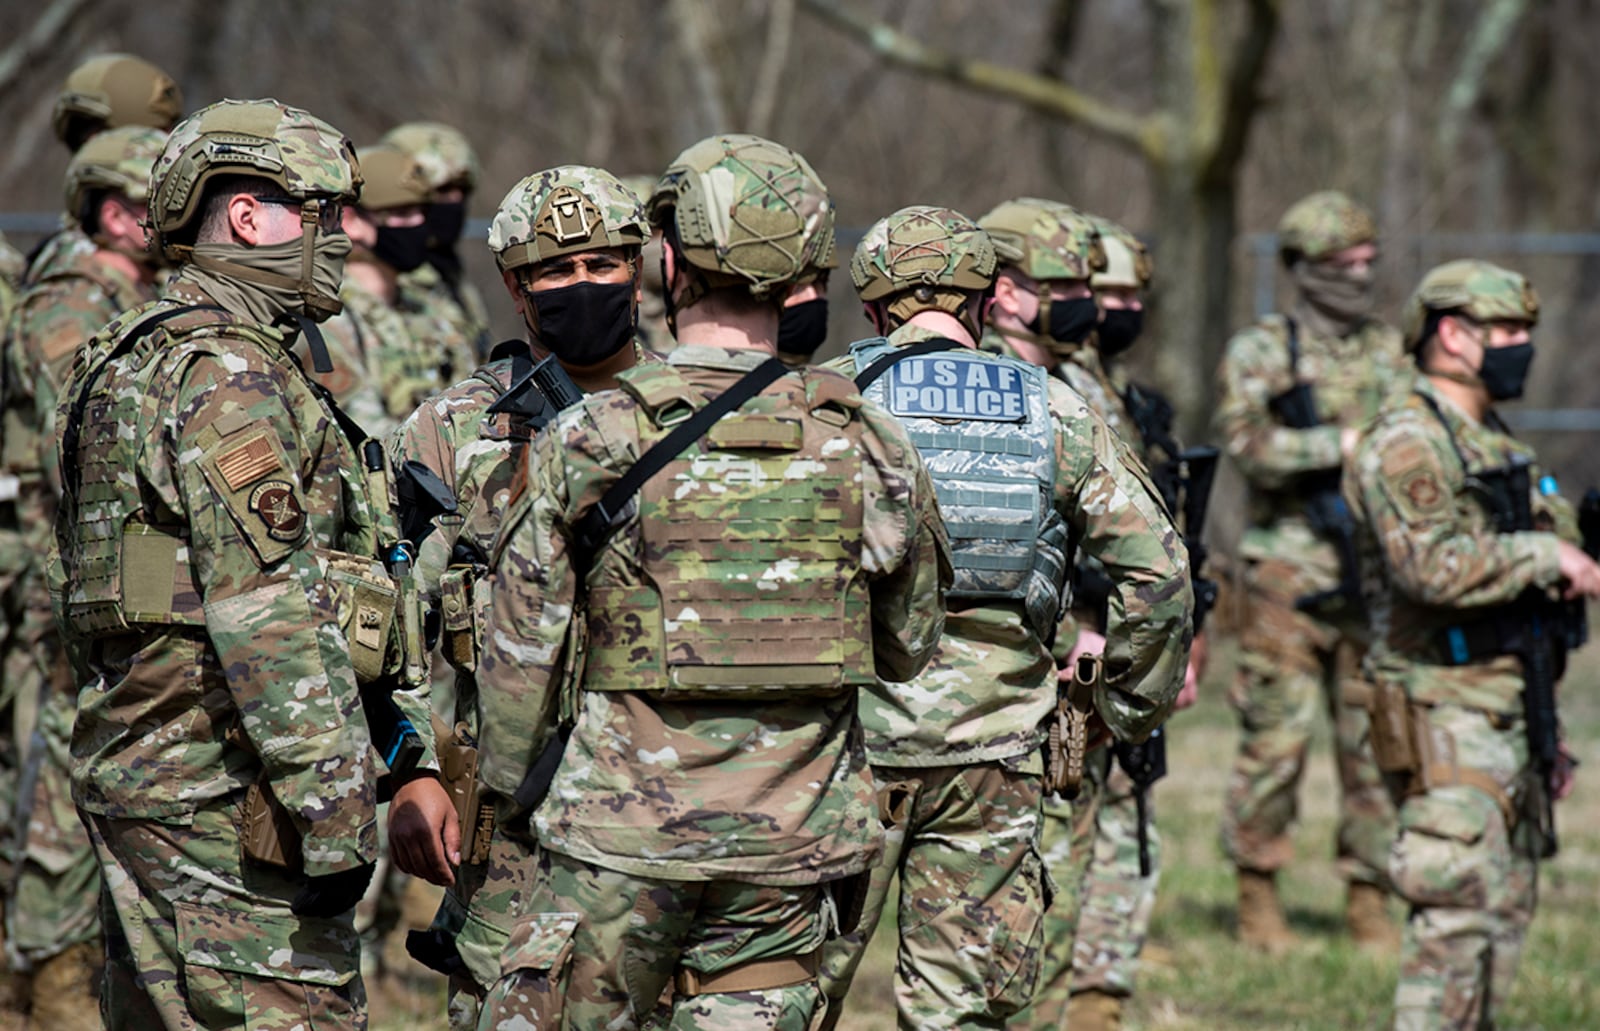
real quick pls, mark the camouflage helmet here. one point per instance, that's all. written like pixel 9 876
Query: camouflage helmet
pixel 565 210
pixel 747 212
pixel 444 153
pixel 117 160
pixel 1481 291
pixel 391 178
pixel 305 156
pixel 1321 224
pixel 1128 264
pixel 924 259
pixel 112 90
pixel 1045 239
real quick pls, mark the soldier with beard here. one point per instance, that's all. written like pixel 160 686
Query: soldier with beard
pixel 1293 390
pixel 52 924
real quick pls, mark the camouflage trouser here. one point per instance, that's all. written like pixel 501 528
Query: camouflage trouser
pixel 29 650
pixel 1097 925
pixel 479 912
pixel 964 841
pixel 595 948
pixel 55 893
pixel 1470 879
pixel 1290 666
pixel 197 936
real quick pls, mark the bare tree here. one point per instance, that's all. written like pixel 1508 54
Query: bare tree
pixel 1193 143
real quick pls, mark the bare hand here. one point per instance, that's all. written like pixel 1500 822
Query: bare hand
pixel 1564 774
pixel 1579 572
pixel 1199 656
pixel 1349 437
pixel 424 834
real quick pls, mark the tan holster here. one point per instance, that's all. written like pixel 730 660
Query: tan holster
pixel 269 834
pixel 458 772
pixel 1069 729
pixel 1405 743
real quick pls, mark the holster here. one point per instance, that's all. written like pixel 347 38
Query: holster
pixel 269 834
pixel 1394 735
pixel 1069 729
pixel 458 617
pixel 458 772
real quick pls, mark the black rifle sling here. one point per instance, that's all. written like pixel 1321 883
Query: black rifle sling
pixel 870 374
pixel 596 523
pixel 80 404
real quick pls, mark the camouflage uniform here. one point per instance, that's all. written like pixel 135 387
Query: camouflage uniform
pixel 56 888
pixel 1466 856
pixel 476 454
pixel 1294 662
pixel 207 558
pixel 803 536
pixel 437 302
pixel 1097 927
pixel 958 747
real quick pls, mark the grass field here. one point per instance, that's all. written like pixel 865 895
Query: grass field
pixel 1206 981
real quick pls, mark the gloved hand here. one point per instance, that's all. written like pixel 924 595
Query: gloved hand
pixel 333 893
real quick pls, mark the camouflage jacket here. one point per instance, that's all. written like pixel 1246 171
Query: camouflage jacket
pixel 1351 377
pixel 60 250
pixel 53 320
pixel 456 322
pixel 1085 373
pixel 1443 562
pixel 769 792
pixel 205 446
pixel 992 682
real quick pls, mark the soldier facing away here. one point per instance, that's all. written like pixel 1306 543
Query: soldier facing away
pixel 1293 391
pixel 695 648
pixel 1023 467
pixel 220 598
pixel 52 921
pixel 1479 571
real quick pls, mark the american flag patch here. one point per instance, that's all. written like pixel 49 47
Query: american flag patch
pixel 248 462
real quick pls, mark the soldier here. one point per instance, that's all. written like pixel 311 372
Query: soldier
pixel 1023 466
pixel 712 805
pixel 381 368
pixel 654 333
pixel 219 597
pixel 570 222
pixel 107 91
pixel 52 924
pixel 437 299
pixel 1056 262
pixel 1293 389
pixel 1476 552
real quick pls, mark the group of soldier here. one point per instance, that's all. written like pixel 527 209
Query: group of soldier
pixel 669 651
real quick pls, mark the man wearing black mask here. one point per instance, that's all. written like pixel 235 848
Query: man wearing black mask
pixel 437 294
pixel 383 366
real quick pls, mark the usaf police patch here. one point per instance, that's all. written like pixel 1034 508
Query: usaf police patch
pixel 953 386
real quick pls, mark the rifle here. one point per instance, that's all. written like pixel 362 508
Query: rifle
pixel 1325 508
pixel 1537 629
pixel 1144 763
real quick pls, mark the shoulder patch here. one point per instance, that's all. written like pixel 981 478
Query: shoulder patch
pixel 274 503
pixel 246 462
pixel 268 512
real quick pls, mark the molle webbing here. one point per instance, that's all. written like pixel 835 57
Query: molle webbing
pixel 751 547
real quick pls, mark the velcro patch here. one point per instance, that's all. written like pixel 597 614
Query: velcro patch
pixel 955 387
pixel 247 462
pixel 275 504
pixel 1421 494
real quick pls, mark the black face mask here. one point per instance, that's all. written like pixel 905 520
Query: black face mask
pixel 1071 321
pixel 445 223
pixel 1505 370
pixel 402 248
pixel 1120 328
pixel 803 327
pixel 586 323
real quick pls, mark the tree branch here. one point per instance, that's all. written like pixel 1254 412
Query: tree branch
pixel 1241 98
pixel 1045 95
pixel 774 56
pixel 42 35
pixel 1488 37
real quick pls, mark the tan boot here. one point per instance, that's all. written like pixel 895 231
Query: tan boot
pixel 1261 922
pixel 1094 1010
pixel 66 990
pixel 1367 916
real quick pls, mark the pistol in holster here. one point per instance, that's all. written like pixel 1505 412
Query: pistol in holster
pixel 1069 728
pixel 458 772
